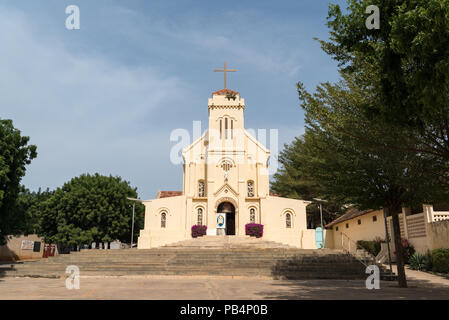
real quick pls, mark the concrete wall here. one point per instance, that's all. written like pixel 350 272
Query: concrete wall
pixel 181 213
pixel 367 230
pixel 421 229
pixel 13 251
pixel 274 211
pixel 438 234
pixel 175 229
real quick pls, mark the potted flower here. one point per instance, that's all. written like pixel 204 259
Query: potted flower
pixel 254 230
pixel 198 231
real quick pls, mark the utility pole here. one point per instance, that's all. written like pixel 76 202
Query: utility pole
pixel 134 210
pixel 320 202
pixel 387 239
pixel 132 225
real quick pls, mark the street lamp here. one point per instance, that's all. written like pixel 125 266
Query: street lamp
pixel 387 238
pixel 134 200
pixel 320 202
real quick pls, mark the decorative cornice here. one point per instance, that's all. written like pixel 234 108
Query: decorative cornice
pixel 238 106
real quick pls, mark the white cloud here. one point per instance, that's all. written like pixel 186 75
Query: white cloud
pixel 220 34
pixel 81 110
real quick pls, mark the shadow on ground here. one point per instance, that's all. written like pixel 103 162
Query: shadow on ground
pixel 354 290
pixel 320 267
pixel 6 266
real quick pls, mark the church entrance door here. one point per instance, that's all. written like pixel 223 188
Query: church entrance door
pixel 230 223
pixel 228 208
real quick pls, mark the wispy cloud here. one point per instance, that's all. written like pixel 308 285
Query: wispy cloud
pixel 84 112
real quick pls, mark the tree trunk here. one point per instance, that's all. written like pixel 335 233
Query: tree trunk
pixel 402 281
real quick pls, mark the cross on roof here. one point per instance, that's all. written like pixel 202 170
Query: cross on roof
pixel 224 71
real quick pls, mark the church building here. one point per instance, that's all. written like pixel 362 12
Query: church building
pixel 225 187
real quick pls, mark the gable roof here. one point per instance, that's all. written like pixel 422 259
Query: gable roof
pixel 223 92
pixel 350 214
pixel 166 194
pixel 225 186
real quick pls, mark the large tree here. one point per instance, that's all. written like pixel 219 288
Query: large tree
pixel 90 208
pixel 409 55
pixel 293 181
pixel 386 127
pixel 345 153
pixel 15 155
pixel 28 206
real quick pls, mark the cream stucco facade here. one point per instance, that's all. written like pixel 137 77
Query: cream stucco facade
pixel 225 170
pixel 426 230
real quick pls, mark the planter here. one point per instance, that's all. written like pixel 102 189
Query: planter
pixel 198 231
pixel 254 230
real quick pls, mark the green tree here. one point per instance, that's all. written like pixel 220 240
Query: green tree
pixel 292 181
pixel 396 110
pixel 344 152
pixel 90 208
pixel 15 154
pixel 28 206
pixel 409 56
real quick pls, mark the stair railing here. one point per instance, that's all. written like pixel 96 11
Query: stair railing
pixel 351 247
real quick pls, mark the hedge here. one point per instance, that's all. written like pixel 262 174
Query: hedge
pixel 440 260
pixel 372 247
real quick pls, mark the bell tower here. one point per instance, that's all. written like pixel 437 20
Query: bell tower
pixel 226 121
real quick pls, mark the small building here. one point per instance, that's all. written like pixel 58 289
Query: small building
pixel 22 248
pixel 425 228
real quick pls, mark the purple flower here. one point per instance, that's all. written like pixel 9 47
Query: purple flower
pixel 254 230
pixel 198 231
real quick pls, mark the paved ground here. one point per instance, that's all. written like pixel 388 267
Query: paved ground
pixel 422 285
pixel 423 276
pixel 199 288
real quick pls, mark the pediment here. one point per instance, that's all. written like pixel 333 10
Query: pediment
pixel 226 189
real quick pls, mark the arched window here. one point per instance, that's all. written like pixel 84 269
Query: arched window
pixel 232 128
pixel 250 189
pixel 200 217
pixel 201 192
pixel 252 215
pixel 226 128
pixel 226 165
pixel 288 220
pixel 163 220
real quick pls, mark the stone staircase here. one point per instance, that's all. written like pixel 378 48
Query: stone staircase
pixel 205 256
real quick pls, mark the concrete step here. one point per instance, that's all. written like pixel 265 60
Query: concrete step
pixel 229 256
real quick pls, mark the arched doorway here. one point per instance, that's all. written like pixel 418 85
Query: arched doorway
pixel 229 209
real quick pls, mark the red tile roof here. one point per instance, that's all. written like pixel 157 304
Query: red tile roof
pixel 223 92
pixel 272 194
pixel 350 214
pixel 166 194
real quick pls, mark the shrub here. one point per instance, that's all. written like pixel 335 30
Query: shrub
pixel 407 250
pixel 373 247
pixel 429 261
pixel 254 230
pixel 198 231
pixel 418 262
pixel 440 260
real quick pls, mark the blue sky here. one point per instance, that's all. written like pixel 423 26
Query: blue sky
pixel 105 98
